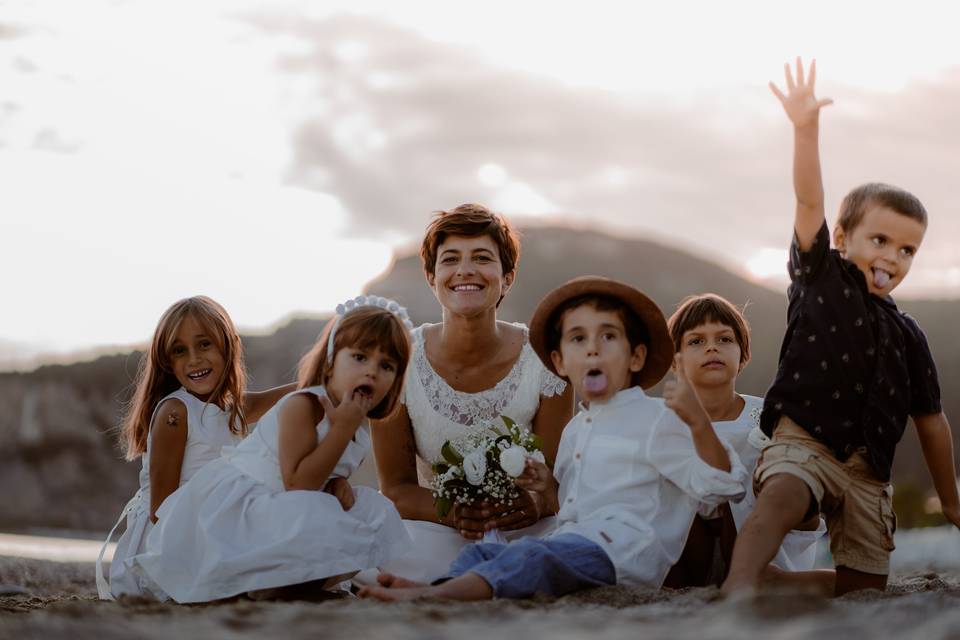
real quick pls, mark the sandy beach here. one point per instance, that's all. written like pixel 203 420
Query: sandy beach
pixel 58 600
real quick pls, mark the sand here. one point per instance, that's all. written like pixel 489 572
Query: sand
pixel 60 602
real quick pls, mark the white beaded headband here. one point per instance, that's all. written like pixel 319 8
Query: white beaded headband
pixel 366 301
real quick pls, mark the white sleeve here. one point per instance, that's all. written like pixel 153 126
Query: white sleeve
pixel 671 450
pixel 550 385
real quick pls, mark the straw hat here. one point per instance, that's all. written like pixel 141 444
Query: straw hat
pixel 659 349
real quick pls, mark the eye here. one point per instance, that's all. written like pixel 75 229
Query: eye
pixel 879 240
pixel 387 366
pixel 576 338
pixel 178 350
pixel 448 260
pixel 359 356
pixel 206 344
pixel 726 339
pixel 484 258
pixel 908 252
pixel 692 342
pixel 609 335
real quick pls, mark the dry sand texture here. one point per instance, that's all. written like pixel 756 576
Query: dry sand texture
pixel 61 603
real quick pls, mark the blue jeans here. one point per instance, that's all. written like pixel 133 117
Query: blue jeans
pixel 554 566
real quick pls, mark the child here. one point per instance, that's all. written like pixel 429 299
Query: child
pixel 852 369
pixel 713 338
pixel 629 473
pixel 190 401
pixel 258 518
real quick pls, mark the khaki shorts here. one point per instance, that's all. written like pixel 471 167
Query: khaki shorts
pixel 857 507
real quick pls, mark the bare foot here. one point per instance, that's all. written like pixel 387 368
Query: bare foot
pixel 392 581
pixel 395 594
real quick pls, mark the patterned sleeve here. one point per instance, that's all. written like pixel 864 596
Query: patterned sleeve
pixel 550 384
pixel 924 382
pixel 805 266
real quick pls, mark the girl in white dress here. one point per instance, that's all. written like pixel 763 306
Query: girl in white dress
pixel 464 374
pixel 712 339
pixel 277 509
pixel 190 401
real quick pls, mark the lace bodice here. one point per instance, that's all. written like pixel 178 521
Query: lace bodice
pixel 438 412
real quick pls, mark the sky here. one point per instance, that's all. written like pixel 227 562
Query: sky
pixel 275 155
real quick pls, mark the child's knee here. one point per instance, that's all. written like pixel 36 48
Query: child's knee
pixel 787 499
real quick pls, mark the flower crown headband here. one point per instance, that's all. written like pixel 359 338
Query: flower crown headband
pixel 366 301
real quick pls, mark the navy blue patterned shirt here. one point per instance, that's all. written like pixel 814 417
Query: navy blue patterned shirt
pixel 852 367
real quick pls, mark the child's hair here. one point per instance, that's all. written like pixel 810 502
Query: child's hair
pixel 470 221
pixel 637 333
pixel 155 377
pixel 855 204
pixel 700 309
pixel 363 328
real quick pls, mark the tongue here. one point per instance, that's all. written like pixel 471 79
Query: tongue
pixel 880 279
pixel 595 383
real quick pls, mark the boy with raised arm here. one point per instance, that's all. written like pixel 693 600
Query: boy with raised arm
pixel 852 369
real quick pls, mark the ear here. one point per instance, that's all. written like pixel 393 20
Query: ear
pixel 638 358
pixel 557 359
pixel 839 239
pixel 508 280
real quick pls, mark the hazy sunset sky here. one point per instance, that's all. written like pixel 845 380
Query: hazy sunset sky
pixel 274 155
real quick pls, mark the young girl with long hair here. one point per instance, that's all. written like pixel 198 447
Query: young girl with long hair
pixel 190 400
pixel 262 516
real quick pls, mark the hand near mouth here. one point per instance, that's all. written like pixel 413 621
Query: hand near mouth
pixel 350 412
pixel 679 395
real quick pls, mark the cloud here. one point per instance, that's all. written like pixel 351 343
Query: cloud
pixel 402 126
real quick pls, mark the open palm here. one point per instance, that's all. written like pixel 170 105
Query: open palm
pixel 799 102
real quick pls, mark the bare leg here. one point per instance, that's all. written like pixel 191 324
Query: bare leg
pixel 852 580
pixel 469 586
pixel 781 505
pixel 392 581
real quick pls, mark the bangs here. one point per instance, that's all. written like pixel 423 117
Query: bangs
pixel 373 331
pixel 699 310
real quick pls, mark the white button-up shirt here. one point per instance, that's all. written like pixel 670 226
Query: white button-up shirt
pixel 631 481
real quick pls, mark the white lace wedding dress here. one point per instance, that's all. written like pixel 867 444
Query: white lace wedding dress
pixel 439 413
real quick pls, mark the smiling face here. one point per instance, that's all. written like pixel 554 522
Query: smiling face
pixel 369 372
pixel 468 276
pixel 595 354
pixel 711 355
pixel 882 246
pixel 196 359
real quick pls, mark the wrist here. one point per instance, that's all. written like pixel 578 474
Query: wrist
pixel 809 131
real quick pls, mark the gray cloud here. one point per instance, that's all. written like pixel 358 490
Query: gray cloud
pixel 401 131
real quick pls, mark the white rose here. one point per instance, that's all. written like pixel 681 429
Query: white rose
pixel 538 456
pixel 475 467
pixel 512 461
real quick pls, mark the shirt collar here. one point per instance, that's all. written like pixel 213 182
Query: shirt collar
pixel 620 398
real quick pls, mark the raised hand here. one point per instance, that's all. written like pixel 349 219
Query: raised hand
pixel 679 395
pixel 349 413
pixel 799 102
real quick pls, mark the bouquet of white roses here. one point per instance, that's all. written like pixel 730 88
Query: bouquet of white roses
pixel 484 465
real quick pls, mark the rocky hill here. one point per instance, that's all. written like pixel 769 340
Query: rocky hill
pixel 60 466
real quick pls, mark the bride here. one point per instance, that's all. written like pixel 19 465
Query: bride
pixel 465 373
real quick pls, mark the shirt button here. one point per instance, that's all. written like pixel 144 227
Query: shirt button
pixel 588 420
pixel 577 456
pixel 569 499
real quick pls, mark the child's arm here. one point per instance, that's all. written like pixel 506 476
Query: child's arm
pixel 680 396
pixel 305 463
pixel 537 477
pixel 803 109
pixel 937 444
pixel 257 403
pixel 168 434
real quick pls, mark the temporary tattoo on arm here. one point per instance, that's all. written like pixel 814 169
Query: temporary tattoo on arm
pixel 173 420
